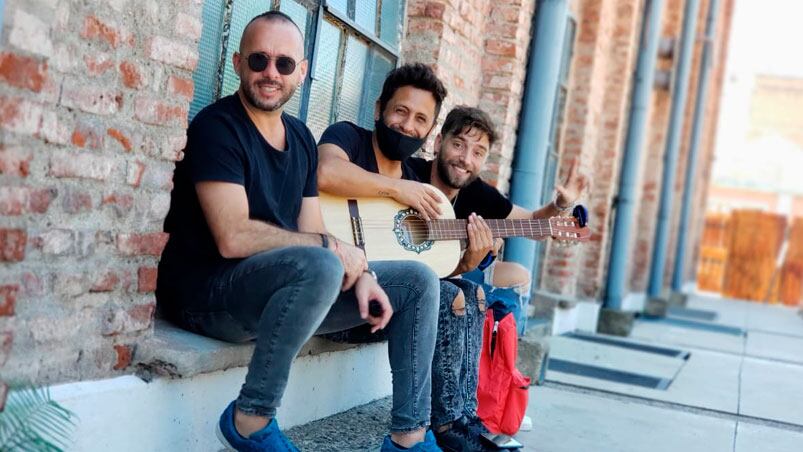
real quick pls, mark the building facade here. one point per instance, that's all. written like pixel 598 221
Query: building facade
pixel 95 98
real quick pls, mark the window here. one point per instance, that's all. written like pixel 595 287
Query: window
pixel 350 44
pixel 556 127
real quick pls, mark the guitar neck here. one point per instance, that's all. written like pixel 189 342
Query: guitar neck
pixel 456 229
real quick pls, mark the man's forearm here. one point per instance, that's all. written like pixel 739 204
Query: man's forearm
pixel 343 178
pixel 256 236
pixel 547 211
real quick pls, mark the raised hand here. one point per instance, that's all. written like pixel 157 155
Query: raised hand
pixel 576 183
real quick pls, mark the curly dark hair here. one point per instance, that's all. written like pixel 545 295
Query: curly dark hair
pixel 417 75
pixel 464 118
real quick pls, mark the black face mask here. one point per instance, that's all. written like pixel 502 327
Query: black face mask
pixel 394 144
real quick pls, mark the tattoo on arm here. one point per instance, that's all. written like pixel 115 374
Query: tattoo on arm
pixel 383 193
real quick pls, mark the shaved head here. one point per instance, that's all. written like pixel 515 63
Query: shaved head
pixel 271 16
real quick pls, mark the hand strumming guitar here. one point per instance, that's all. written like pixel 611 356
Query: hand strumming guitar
pixel 419 196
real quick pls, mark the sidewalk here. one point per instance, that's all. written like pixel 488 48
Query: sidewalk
pixel 740 388
pixel 719 375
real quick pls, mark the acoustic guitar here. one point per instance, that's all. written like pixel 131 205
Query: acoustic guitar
pixel 388 230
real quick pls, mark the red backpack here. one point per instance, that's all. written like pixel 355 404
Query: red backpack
pixel 502 392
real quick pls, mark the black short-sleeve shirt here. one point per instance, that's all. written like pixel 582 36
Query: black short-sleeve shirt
pixel 356 141
pixel 478 197
pixel 223 144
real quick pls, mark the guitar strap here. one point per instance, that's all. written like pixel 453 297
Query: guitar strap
pixel 356 224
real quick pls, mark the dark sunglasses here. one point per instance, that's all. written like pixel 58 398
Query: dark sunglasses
pixel 285 65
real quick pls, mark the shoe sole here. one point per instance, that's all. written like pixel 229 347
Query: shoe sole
pixel 222 438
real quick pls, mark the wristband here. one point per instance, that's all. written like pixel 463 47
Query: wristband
pixel 559 208
pixel 486 262
pixel 324 241
pixel 372 273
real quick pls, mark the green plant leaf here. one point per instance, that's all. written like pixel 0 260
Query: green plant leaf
pixel 33 421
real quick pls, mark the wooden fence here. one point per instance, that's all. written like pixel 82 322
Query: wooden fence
pixel 739 257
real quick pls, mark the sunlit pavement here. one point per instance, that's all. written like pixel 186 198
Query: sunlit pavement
pixel 720 375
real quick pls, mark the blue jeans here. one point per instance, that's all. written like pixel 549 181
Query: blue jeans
pixel 455 367
pixel 283 296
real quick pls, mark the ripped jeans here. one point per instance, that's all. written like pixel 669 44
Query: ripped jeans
pixel 455 366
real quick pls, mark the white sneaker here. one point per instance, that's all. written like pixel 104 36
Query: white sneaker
pixel 526 424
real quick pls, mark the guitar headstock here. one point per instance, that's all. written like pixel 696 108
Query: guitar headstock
pixel 572 229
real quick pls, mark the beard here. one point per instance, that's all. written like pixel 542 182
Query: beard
pixel 453 180
pixel 251 92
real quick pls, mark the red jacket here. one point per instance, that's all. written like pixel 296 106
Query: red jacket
pixel 502 391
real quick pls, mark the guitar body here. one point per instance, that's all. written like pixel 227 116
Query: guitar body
pixel 390 231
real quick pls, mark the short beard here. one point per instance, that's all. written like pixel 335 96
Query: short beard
pixel 251 97
pixel 443 173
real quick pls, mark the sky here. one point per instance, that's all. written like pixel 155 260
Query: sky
pixel 767 37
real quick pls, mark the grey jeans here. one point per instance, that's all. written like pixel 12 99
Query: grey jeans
pixel 282 297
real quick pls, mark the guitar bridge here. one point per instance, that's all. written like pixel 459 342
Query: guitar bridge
pixel 356 224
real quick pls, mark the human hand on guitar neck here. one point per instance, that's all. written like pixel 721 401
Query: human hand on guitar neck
pixel 480 243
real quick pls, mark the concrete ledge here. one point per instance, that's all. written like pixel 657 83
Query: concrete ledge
pixel 532 358
pixel 176 353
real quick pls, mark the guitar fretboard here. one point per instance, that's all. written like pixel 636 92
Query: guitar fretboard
pixel 456 229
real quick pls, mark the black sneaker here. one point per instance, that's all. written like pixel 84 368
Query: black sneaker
pixel 458 438
pixel 476 429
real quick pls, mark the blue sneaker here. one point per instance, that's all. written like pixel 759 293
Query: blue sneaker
pixel 428 445
pixel 269 438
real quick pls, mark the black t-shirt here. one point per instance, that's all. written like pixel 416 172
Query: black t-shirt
pixel 477 197
pixel 223 144
pixel 356 141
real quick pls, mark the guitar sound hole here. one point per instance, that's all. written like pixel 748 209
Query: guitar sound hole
pixel 415 230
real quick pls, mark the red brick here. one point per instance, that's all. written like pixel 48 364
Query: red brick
pixel 500 47
pixel 122 203
pixel 121 138
pixel 106 282
pixel 15 162
pixel 166 51
pixel 22 200
pixel 121 321
pixel 20 116
pixel 181 86
pixel 76 201
pixel 94 28
pixel 136 244
pixel 6 339
pixel 434 10
pixel 22 71
pixel 124 356
pixel 8 298
pixel 87 135
pixel 146 277
pixel 98 64
pixel 12 245
pixel 156 112
pixel 132 76
pixel 81 166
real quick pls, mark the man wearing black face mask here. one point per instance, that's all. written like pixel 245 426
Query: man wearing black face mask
pixel 357 162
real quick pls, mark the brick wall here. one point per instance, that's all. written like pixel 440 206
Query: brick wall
pixel 93 107
pixel 479 49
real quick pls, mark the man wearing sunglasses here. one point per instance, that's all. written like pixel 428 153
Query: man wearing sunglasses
pixel 249 259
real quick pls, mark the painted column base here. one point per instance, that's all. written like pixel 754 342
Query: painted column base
pixel 656 307
pixel 532 359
